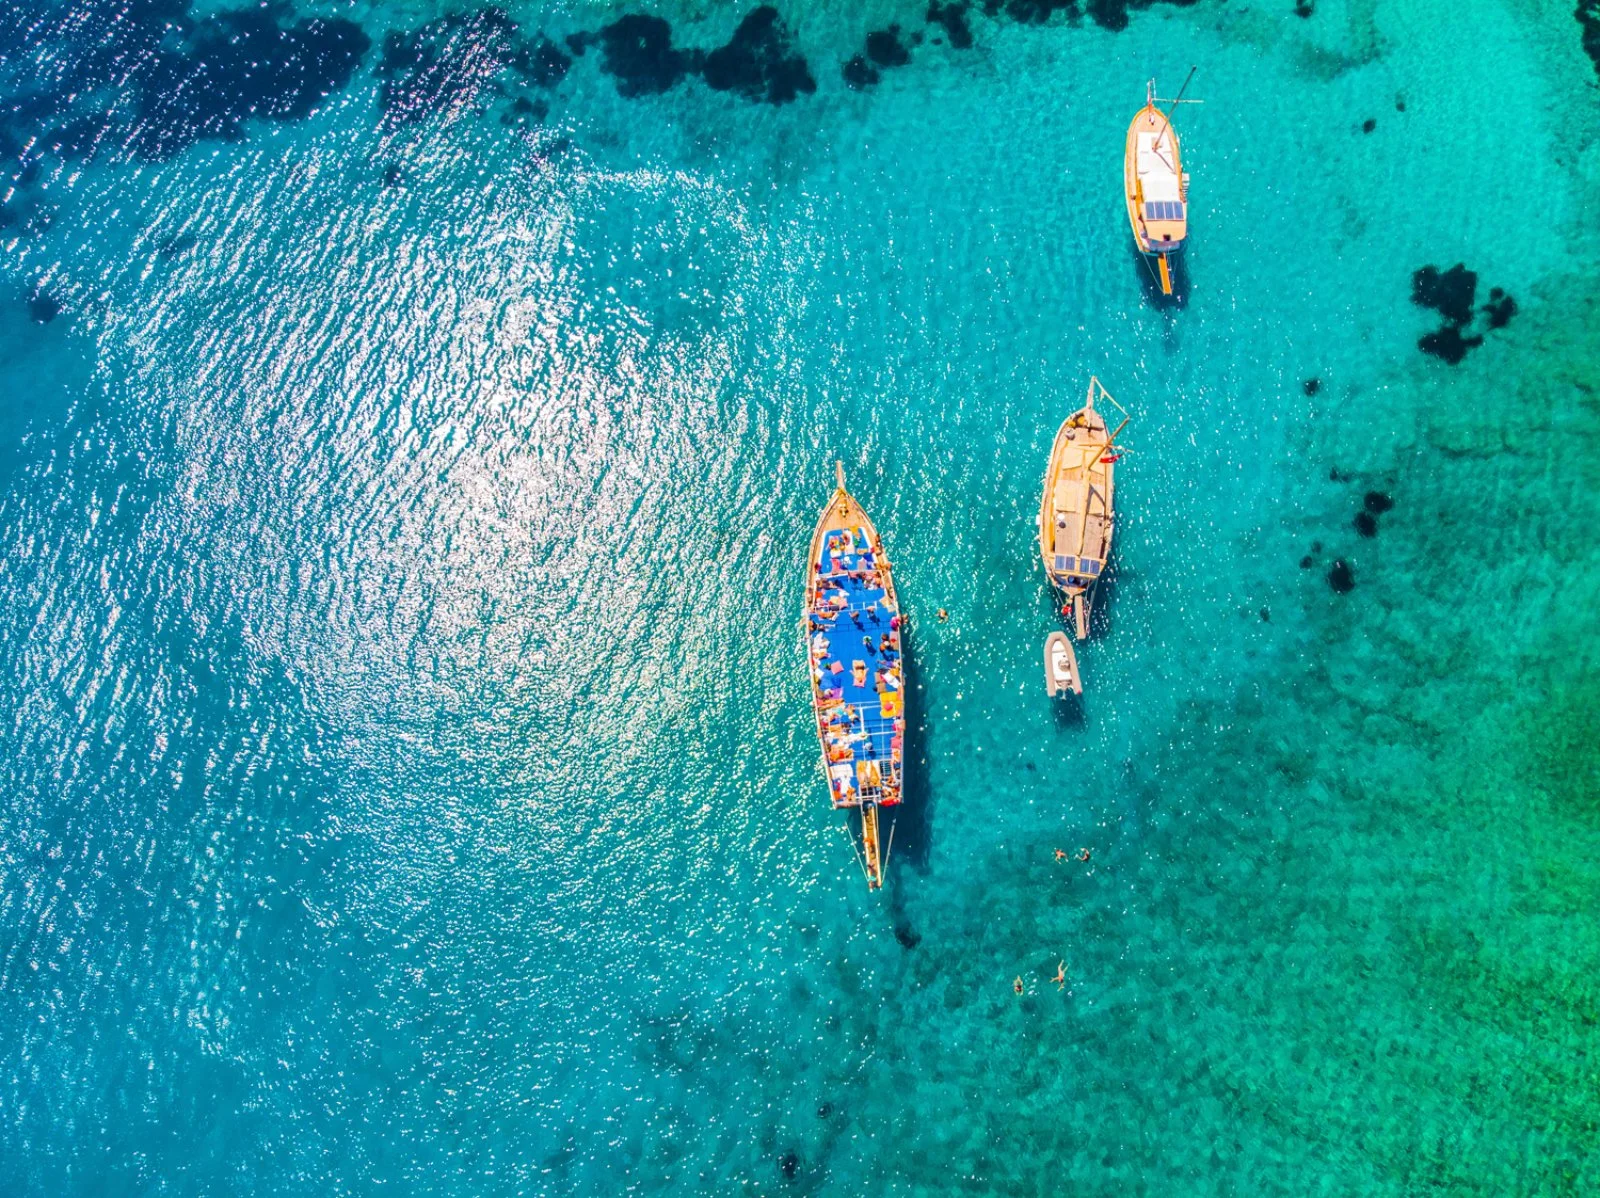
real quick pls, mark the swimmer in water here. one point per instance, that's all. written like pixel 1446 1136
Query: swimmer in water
pixel 1061 975
pixel 1061 854
pixel 943 615
pixel 1016 984
pixel 1083 854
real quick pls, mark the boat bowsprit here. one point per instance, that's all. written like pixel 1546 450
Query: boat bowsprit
pixel 853 640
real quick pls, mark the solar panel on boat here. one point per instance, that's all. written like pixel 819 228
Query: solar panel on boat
pixel 1163 210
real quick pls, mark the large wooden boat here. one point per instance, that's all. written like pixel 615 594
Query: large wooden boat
pixel 1077 513
pixel 1155 186
pixel 853 645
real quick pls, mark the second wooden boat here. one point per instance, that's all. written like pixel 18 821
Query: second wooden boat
pixel 1077 513
pixel 853 631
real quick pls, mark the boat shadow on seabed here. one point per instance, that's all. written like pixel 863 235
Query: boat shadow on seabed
pixel 913 818
pixel 1150 283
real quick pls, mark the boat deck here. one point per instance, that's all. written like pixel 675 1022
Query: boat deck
pixel 1153 182
pixel 1075 522
pixel 853 631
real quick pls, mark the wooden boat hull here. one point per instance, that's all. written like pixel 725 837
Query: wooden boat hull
pixel 854 657
pixel 1155 189
pixel 1077 509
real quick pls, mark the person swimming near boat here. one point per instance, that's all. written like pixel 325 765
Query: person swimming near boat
pixel 1016 984
pixel 1061 975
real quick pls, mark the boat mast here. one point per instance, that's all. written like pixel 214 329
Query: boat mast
pixel 1178 99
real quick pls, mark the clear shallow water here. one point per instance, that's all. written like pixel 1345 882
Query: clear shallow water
pixel 408 776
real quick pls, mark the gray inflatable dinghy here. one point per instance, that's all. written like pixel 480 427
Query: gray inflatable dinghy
pixel 1061 666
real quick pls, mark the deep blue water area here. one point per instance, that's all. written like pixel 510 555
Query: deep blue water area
pixel 413 418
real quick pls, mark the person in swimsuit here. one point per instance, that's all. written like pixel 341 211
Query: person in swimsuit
pixel 1016 984
pixel 1083 854
pixel 1061 975
pixel 1061 854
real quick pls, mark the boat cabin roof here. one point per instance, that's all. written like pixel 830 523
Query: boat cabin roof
pixel 1156 166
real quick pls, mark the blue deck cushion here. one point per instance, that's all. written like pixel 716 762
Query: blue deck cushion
pixel 855 633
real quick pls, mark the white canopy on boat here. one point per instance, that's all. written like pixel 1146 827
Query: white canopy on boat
pixel 1157 175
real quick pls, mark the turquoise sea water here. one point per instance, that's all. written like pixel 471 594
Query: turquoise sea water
pixel 407 782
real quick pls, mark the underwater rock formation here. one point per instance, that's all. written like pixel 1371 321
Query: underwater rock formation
pixel 884 52
pixel 42 306
pixel 758 62
pixel 1449 293
pixel 637 51
pixel 1588 16
pixel 151 76
pixel 1341 577
pixel 953 19
pixel 1452 293
pixel 444 65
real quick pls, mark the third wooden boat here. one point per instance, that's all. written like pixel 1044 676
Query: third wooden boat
pixel 1155 186
pixel 1077 513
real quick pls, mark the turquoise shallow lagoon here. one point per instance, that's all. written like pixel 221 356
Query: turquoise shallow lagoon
pixel 407 782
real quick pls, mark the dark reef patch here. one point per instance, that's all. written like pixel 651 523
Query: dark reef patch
pixel 1588 16
pixel 1500 308
pixel 1113 14
pixel 885 49
pixel 906 935
pixel 859 73
pixel 789 1165
pixel 953 19
pixel 542 63
pixel 445 65
pixel 1304 8
pixel 1368 125
pixel 637 51
pixel 1030 12
pixel 1311 386
pixel 1366 524
pixel 1307 562
pixel 1377 502
pixel 150 76
pixel 525 113
pixel 240 66
pixel 1448 343
pixel 758 62
pixel 825 1110
pixel 1452 294
pixel 1341 577
pixel 42 306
